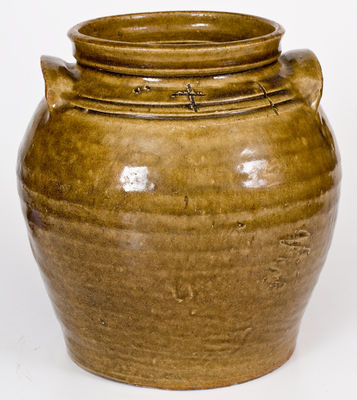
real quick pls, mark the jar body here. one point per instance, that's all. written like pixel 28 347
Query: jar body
pixel 180 252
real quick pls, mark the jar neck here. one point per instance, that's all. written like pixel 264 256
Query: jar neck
pixel 177 43
pixel 296 76
pixel 184 97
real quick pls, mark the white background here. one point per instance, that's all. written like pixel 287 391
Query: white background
pixel 33 360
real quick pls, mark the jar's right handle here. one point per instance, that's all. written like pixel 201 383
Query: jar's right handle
pixel 303 69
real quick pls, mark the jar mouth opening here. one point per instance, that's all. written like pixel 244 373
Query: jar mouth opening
pixel 183 28
pixel 175 41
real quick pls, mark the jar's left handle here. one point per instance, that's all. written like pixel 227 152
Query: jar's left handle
pixel 60 78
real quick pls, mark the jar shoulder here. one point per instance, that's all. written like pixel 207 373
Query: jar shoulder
pixel 78 155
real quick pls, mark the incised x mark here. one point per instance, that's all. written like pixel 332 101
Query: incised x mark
pixel 190 93
pixel 272 105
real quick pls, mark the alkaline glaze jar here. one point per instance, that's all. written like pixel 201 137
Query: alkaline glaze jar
pixel 180 186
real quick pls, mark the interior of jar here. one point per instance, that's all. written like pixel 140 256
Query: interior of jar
pixel 178 28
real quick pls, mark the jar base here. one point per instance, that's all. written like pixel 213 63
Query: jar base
pixel 177 385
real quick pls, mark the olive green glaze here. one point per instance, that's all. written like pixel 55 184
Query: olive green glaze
pixel 180 187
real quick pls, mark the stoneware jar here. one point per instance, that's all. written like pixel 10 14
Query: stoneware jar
pixel 180 186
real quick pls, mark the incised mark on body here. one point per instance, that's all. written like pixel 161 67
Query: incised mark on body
pixel 181 291
pixel 295 248
pixel 272 105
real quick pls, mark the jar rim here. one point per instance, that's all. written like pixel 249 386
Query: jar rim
pixel 176 43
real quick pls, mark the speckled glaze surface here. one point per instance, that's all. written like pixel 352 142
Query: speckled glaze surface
pixel 180 186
